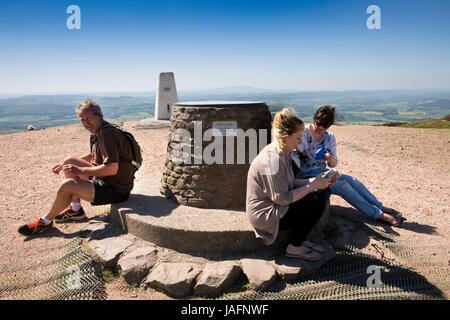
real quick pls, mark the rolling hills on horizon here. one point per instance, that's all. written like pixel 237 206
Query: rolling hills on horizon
pixel 353 107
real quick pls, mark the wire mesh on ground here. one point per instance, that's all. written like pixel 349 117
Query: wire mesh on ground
pixel 419 255
pixel 345 277
pixel 69 275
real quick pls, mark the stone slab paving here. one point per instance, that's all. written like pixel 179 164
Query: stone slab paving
pixel 122 239
pixel 110 249
pixel 151 217
pixel 174 278
pixel 260 273
pixel 152 123
pixel 137 263
pixel 216 277
pixel 181 275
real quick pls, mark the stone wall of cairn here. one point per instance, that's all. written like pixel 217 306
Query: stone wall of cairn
pixel 219 186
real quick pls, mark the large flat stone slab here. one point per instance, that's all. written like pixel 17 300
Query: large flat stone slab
pixel 174 278
pixel 292 269
pixel 216 277
pixel 136 264
pixel 260 273
pixel 109 249
pixel 151 217
pixel 152 123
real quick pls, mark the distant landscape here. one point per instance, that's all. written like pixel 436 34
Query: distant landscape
pixel 382 107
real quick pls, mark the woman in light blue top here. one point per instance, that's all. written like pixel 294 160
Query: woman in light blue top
pixel 349 188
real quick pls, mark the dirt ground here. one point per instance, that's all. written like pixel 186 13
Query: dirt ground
pixel 406 169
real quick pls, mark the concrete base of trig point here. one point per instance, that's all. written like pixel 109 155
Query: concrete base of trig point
pixel 151 123
pixel 151 217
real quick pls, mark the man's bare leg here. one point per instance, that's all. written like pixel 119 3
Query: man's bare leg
pixel 68 190
pixel 80 163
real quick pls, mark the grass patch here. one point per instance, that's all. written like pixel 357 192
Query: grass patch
pixel 426 124
pixel 241 285
pixel 111 274
pixel 106 212
pixel 431 124
pixel 394 124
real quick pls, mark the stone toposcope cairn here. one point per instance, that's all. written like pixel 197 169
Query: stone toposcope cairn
pixel 211 146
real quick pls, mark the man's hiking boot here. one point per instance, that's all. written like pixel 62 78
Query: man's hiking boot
pixel 70 215
pixel 34 228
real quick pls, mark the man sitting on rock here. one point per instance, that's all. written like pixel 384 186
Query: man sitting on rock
pixel 103 176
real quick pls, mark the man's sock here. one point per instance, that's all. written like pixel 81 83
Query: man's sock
pixel 45 220
pixel 75 206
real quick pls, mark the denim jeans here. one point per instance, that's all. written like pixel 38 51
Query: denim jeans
pixel 356 194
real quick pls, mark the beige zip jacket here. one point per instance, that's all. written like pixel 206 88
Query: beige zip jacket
pixel 270 184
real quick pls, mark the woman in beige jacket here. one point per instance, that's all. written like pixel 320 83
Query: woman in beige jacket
pixel 275 199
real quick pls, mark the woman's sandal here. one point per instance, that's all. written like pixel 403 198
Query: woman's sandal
pixel 396 214
pixel 310 255
pixel 390 221
pixel 313 246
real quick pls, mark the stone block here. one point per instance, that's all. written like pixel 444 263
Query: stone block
pixel 109 249
pixel 217 277
pixel 174 278
pixel 290 269
pixel 95 231
pixel 260 273
pixel 200 203
pixel 136 264
pixel 187 193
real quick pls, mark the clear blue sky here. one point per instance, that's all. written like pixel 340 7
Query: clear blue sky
pixel 303 45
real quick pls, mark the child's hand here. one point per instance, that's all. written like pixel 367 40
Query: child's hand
pixel 329 156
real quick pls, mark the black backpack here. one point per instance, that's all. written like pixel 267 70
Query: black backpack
pixel 137 161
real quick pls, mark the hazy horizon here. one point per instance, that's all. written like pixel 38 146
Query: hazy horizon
pixel 230 89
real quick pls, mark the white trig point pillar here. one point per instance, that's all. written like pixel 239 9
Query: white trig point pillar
pixel 166 95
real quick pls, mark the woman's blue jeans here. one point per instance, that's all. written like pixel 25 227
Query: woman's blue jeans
pixel 356 194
